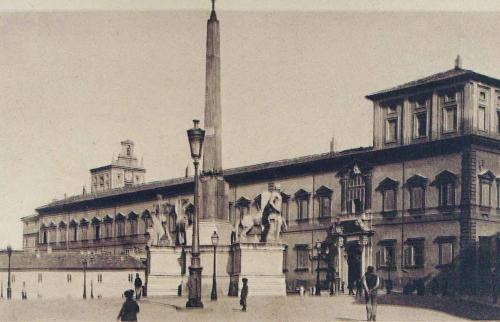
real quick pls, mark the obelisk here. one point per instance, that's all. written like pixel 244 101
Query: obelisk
pixel 214 214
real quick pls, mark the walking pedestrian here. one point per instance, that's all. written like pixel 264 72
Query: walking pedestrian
pixel 244 294
pixel 138 287
pixel 129 309
pixel 370 284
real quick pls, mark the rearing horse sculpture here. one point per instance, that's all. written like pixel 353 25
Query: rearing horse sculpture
pixel 268 217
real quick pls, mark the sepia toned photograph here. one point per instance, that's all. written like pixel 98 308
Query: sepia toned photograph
pixel 244 160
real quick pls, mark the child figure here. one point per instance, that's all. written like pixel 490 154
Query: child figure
pixel 244 294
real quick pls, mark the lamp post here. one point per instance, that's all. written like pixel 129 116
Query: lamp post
pixel 195 137
pixel 215 241
pixel 318 257
pixel 9 290
pixel 84 262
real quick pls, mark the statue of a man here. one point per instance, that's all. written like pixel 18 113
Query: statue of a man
pixel 270 204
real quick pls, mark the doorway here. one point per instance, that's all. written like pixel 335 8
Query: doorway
pixel 353 250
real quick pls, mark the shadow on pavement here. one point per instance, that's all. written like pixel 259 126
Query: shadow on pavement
pixel 457 307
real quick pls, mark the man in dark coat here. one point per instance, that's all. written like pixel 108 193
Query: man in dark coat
pixel 370 284
pixel 244 294
pixel 138 287
pixel 129 309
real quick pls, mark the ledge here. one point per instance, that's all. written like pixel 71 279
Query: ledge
pixel 389 214
pixel 304 269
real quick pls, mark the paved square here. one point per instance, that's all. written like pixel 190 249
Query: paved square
pixel 291 308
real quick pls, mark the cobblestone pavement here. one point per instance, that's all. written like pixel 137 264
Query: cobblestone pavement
pixel 291 308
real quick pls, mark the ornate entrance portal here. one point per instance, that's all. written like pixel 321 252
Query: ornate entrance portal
pixel 352 238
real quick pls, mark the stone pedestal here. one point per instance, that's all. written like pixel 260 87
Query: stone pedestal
pixel 262 265
pixel 166 270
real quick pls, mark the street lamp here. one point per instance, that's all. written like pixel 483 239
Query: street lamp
pixel 9 290
pixel 84 262
pixel 195 137
pixel 215 241
pixel 318 257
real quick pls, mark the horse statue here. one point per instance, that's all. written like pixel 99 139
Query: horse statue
pixel 268 216
pixel 157 231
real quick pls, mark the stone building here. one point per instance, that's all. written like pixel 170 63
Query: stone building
pixel 413 204
pixel 68 275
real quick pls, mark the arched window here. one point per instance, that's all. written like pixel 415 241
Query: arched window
pixel 108 227
pixel 132 218
pixel 146 217
pixel 62 232
pixel 120 225
pixel 73 229
pixel 96 223
pixel 84 227
pixel 356 183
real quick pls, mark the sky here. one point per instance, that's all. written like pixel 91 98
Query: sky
pixel 75 81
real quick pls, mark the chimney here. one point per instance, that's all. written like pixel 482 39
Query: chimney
pixel 458 62
pixel 84 192
pixel 332 145
pixel 187 171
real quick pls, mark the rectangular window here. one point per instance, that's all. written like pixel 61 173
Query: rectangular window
pixel 417 198
pixel 420 125
pixel 84 232
pixel 120 227
pixel 389 202
pixel 498 121
pixel 302 257
pixel 303 209
pixel 324 210
pixel 97 232
pixel 62 235
pixel 133 227
pixel 285 212
pixel 485 193
pixel 107 232
pixel 285 259
pixel 391 134
pixel 447 195
pixel 385 257
pixel 450 119
pixel 445 253
pixel 414 254
pixel 74 232
pixel 481 118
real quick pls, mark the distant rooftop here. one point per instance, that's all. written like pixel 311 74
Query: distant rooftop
pixel 456 73
pixel 189 180
pixel 45 261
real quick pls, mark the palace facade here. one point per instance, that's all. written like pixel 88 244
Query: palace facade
pixel 424 197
